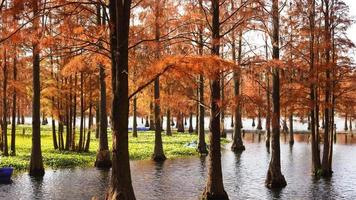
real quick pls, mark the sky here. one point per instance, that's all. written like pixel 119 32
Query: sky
pixel 352 29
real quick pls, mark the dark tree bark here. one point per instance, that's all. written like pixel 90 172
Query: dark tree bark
pixel 13 123
pixel 36 163
pixel 4 108
pixel 326 166
pixel 237 144
pixel 87 144
pixel 74 113
pixel 275 179
pixel 134 124
pixel 103 159
pixel 214 188
pixel 120 185
pixel 291 131
pixel 190 129
pixel 202 148
pixel 222 110
pixel 81 128
pixel 147 123
pixel 168 124
pixel 180 123
pixel 268 97
pixel 158 154
pixel 151 123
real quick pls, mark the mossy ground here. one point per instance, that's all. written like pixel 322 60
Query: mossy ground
pixel 140 148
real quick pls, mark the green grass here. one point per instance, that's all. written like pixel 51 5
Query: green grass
pixel 140 148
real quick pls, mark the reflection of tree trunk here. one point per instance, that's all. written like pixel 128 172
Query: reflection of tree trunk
pixel 275 179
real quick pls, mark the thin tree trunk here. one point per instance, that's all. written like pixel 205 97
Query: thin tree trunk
pixel 13 123
pixel 4 107
pixel 103 159
pixel 237 144
pixel 134 125
pixel 81 128
pixel 190 129
pixel 168 123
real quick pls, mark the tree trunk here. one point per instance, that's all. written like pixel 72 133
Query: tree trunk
pixel 103 159
pixel 87 144
pixel 168 124
pixel 190 129
pixel 36 163
pixel 214 188
pixel 74 113
pixel 120 185
pixel 158 154
pixel 291 131
pixel 134 125
pixel 316 165
pixel 275 179
pixel 13 123
pixel 237 144
pixel 325 162
pixel 81 128
pixel 268 97
pixel 4 108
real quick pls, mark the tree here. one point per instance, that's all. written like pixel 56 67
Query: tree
pixel 275 179
pixel 36 163
pixel 120 185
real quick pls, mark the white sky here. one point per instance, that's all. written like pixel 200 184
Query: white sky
pixel 352 29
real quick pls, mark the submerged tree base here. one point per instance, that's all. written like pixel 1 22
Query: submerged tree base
pixel 275 180
pixel 103 159
pixel 214 196
pixel 202 150
pixel 238 148
pixel 37 172
pixel 159 157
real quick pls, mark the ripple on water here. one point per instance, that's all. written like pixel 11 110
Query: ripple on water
pixel 184 179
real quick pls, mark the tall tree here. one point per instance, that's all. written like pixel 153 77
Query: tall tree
pixel 36 162
pixel 275 179
pixel 120 184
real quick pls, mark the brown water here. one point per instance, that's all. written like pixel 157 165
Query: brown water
pixel 184 179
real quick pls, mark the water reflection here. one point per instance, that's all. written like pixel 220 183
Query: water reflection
pixel 244 176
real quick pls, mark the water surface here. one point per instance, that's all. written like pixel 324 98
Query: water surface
pixel 184 179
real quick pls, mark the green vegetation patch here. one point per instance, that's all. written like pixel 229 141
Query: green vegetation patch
pixel 140 148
